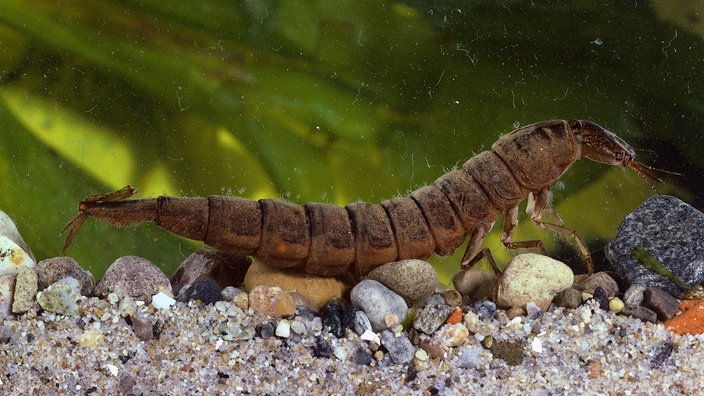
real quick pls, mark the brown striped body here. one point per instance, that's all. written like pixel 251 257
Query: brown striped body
pixel 325 239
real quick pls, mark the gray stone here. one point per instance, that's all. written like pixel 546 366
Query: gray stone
pixel 377 301
pixel 485 309
pixel 669 229
pixel 25 290
pixel 569 298
pixel 639 312
pixel 400 347
pixel 634 295
pixel 431 317
pixel 472 357
pixel 661 302
pixel 135 277
pixel 414 280
pixel 361 323
pixel 53 269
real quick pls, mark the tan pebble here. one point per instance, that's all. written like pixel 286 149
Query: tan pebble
pixel 391 320
pixel 241 301
pixel 595 370
pixel 452 297
pixel 616 305
pixel 89 338
pixel 515 312
pixel 471 321
pixel 532 277
pixel 475 283
pixel 271 301
pixel 318 290
pixel 421 355
pixel 378 355
pixel 433 348
pixel 454 335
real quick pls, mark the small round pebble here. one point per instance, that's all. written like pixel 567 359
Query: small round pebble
pixel 616 305
pixel 414 280
pixel 271 301
pixel 376 300
pixel 283 329
pixel 206 290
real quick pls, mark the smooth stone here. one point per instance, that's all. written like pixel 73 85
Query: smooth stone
pixel 616 305
pixel 672 231
pixel 53 269
pixel 25 290
pixel 453 335
pixel 135 277
pixel 414 280
pixel 472 357
pixel 400 348
pixel 661 302
pixel 600 279
pixel 273 302
pixel 452 298
pixel 475 283
pixel 634 295
pixel 532 277
pixel 431 317
pixel 142 327
pixel 568 298
pixel 265 330
pixel 12 256
pixel 7 290
pixel 206 290
pixel 60 297
pixel 317 290
pixel 283 329
pixel 9 229
pixel 639 312
pixel 361 323
pixel 377 301
pixel 225 269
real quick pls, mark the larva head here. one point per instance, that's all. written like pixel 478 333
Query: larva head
pixel 598 144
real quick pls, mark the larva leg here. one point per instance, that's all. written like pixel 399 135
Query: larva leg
pixel 475 254
pixel 510 222
pixel 537 207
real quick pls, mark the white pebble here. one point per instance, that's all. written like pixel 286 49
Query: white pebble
pixel 162 301
pixel 12 256
pixel 536 345
pixel 370 336
pixel 112 368
pixel 283 329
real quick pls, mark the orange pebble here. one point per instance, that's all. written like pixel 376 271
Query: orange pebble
pixel 690 321
pixel 455 316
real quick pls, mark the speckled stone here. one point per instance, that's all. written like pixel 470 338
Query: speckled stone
pixel 634 295
pixel 639 312
pixel 271 301
pixel 431 317
pixel 510 351
pixel 600 279
pixel 414 280
pixel 377 301
pixel 12 256
pixel 135 277
pixel 398 345
pixel 143 327
pixel 53 269
pixel 61 296
pixel 669 229
pixel 317 290
pixel 7 290
pixel 532 277
pixel 25 290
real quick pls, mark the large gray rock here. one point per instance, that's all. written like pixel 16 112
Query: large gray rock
pixel 669 229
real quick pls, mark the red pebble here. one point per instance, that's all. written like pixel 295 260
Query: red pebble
pixel 690 321
pixel 455 316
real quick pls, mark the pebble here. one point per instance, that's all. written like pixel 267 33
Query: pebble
pixel 142 327
pixel 661 302
pixel 265 330
pixel 205 290
pixel 377 301
pixel 616 305
pixel 634 295
pixel 162 301
pixel 471 321
pixel 601 298
pixel 361 323
pixel 52 269
pixel 452 298
pixel 672 231
pixel 25 293
pixel 533 277
pixel 472 357
pixel 414 280
pixel 399 346
pixel 640 312
pixel 568 298
pixel 317 290
pixel 370 336
pixel 61 296
pixel 12 256
pixel 135 277
pixel 510 351
pixel 533 311
pixel 690 321
pixel 485 309
pixel 455 316
pixel 298 327
pixel 431 317
pixel 453 335
pixel 283 329
pixel 8 229
pixel 475 283
pixel 600 279
pixel 331 315
pixel 225 269
pixel 7 290
pixel 271 301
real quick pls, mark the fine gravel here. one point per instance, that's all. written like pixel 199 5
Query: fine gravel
pixel 214 349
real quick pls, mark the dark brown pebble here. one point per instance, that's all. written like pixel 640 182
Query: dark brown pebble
pixel 639 312
pixel 661 302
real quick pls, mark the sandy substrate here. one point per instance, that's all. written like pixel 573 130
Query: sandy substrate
pixel 213 350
